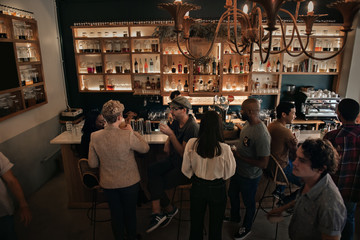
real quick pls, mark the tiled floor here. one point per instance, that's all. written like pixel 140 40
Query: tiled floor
pixel 52 220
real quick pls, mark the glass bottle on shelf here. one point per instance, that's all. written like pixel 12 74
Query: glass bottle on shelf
pixel 186 68
pixel 278 64
pixel 323 66
pixel 201 84
pixel 147 46
pixel 151 65
pixel 125 47
pixel 136 66
pixel 147 84
pixel 3 32
pixel 108 46
pixel 337 45
pixel 101 85
pixel 333 66
pixel 268 66
pixel 179 67
pixel 158 84
pixel 90 67
pixel 327 45
pixel 214 66
pixel 257 85
pixel 319 45
pixel 230 69
pixel 167 84
pixel 137 46
pixel 117 46
pixel 173 84
pixel 228 84
pixel 126 67
pixel 241 65
pixel 173 68
pixel 118 67
pixel 236 68
pixel 97 46
pixel 98 67
pixel 186 86
pixel 109 67
pixel 154 46
pixel 179 86
pixel 207 68
pixel 141 66
pixel 146 67
pixel 153 84
pixel 157 64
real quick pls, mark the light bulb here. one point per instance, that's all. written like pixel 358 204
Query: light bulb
pixel 246 9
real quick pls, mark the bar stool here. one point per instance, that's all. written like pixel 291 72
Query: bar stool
pixel 274 173
pixel 90 180
pixel 180 188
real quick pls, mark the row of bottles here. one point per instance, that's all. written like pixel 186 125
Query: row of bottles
pixel 205 85
pixel 153 66
pixel 264 86
pixel 272 65
pixel 237 68
pixel 9 103
pixel 97 68
pixel 234 85
pixel 27 54
pixel 173 85
pixel 29 76
pixel 209 67
pixel 23 31
pixel 3 31
pixel 308 65
pixel 179 68
pixel 104 33
pixel 147 85
pixel 146 46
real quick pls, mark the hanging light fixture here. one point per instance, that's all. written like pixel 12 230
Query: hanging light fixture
pixel 252 32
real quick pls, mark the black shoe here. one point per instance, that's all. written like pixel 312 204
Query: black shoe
pixel 169 217
pixel 278 195
pixel 155 222
pixel 243 233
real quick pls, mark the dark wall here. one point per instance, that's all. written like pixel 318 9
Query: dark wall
pixel 72 11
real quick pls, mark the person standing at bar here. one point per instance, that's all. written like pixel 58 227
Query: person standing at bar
pixel 166 175
pixel 208 161
pixel 252 155
pixel 319 210
pixel 283 143
pixel 112 150
pixel 7 179
pixel 346 140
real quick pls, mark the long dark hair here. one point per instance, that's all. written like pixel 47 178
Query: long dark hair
pixel 210 134
pixel 90 122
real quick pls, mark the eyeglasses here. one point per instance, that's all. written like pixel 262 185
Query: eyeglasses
pixel 175 109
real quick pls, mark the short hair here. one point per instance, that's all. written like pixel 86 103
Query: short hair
pixel 284 107
pixel 349 109
pixel 90 122
pixel 249 101
pixel 322 155
pixel 174 94
pixel 111 110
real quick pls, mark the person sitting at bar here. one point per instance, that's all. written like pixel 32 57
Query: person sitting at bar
pixel 208 161
pixel 283 143
pixel 166 175
pixel 319 210
pixel 112 150
pixel 7 179
pixel 94 121
pixel 346 140
pixel 252 155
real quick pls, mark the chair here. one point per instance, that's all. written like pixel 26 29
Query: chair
pixel 90 180
pixel 274 173
pixel 181 188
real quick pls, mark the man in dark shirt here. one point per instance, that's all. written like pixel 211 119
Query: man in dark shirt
pixel 346 140
pixel 167 174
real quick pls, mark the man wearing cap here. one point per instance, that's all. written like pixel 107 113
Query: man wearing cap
pixel 166 175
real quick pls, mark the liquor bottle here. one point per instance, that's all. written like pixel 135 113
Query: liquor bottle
pixel 158 83
pixel 153 84
pixel 157 64
pixel 218 67
pixel 151 63
pixel 246 65
pixel 201 84
pixel 147 84
pixel 167 84
pixel 207 68
pixel 268 66
pixel 186 68
pixel 225 69
pixel 146 66
pixel 228 84
pixel 241 65
pixel 230 67
pixel 236 68
pixel 141 67
pixel 173 68
pixel 179 86
pixel 257 85
pixel 195 85
pixel 186 86
pixel 261 67
pixel 179 67
pixel 273 66
pixel 256 65
pixel 278 65
pixel 173 84
pixel 136 66
pixel 214 66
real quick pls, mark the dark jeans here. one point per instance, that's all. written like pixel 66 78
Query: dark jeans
pixel 122 204
pixel 162 176
pixel 7 229
pixel 291 178
pixel 348 231
pixel 247 187
pixel 205 193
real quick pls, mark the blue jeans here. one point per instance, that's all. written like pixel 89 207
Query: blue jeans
pixel 290 176
pixel 247 187
pixel 122 204
pixel 348 231
pixel 7 229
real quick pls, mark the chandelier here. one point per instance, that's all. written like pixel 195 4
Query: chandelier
pixel 252 31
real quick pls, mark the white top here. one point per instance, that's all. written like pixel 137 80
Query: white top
pixel 6 204
pixel 222 166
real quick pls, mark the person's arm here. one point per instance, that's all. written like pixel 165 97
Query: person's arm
pixel 138 143
pixel 14 186
pixel 93 158
pixel 186 164
pixel 278 211
pixel 328 237
pixel 179 147
pixel 167 146
pixel 292 146
pixel 260 162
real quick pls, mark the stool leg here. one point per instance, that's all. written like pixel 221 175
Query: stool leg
pixel 180 211
pixel 261 199
pixel 93 211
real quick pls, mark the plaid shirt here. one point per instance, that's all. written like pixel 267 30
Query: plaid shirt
pixel 346 140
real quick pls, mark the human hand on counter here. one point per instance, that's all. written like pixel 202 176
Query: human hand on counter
pixel 166 130
pixel 25 215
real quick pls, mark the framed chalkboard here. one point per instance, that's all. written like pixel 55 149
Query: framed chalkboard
pixel 8 72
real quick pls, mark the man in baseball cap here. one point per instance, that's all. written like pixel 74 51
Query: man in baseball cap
pixel 166 175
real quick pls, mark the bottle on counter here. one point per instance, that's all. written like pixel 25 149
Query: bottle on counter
pixel 186 86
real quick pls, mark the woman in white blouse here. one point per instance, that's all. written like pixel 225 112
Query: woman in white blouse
pixel 208 161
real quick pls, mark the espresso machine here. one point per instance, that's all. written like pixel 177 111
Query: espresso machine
pixel 323 108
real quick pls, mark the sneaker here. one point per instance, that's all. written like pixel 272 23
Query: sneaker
pixel 242 234
pixel 278 195
pixel 156 220
pixel 169 217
